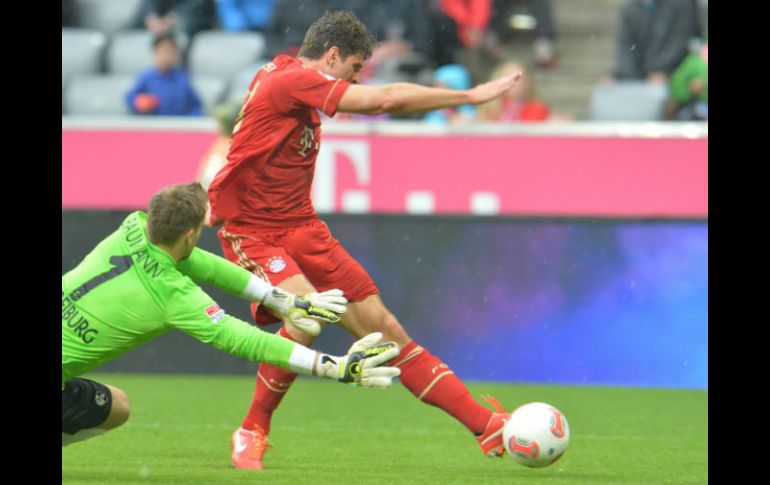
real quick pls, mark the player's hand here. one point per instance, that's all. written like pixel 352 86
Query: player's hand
pixel 697 86
pixel 327 306
pixel 305 312
pixel 144 103
pixel 657 77
pixel 308 310
pixel 363 364
pixel 487 91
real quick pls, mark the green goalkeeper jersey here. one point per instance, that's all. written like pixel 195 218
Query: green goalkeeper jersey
pixel 128 291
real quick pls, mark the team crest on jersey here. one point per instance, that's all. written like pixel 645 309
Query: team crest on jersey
pixel 276 264
pixel 215 313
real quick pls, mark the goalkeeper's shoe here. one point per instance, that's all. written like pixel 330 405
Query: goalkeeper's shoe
pixel 491 439
pixel 248 448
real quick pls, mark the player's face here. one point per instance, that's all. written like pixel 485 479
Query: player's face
pixel 166 56
pixel 349 68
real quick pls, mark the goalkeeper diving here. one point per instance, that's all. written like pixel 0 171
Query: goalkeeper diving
pixel 140 282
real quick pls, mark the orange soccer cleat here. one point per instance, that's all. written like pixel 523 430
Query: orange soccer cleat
pixel 491 440
pixel 248 448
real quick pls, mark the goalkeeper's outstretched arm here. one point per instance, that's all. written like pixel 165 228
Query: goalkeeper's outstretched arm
pixel 192 311
pixel 304 312
pixel 364 364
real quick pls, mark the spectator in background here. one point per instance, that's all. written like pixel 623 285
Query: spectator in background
pixel 216 156
pixel 471 17
pixel 291 19
pixel 166 16
pixel 404 38
pixel 445 41
pixel 240 15
pixel 164 89
pixel 471 20
pixel 452 76
pixel 689 87
pixel 544 53
pixel 654 38
pixel 401 27
pixel 504 19
pixel 519 104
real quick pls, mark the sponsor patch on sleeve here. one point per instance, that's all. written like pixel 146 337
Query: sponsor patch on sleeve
pixel 215 313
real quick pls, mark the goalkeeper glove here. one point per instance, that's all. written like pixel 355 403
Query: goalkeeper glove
pixel 304 312
pixel 362 364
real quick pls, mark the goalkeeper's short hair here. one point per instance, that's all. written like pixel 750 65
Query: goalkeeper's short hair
pixel 174 210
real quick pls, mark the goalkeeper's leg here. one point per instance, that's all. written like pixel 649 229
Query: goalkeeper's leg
pixel 426 376
pixel 89 408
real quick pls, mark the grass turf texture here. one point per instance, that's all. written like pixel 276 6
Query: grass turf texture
pixel 180 426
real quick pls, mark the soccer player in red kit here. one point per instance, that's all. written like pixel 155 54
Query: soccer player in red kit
pixel 262 195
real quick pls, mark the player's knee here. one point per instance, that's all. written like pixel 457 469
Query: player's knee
pixel 120 410
pixel 392 330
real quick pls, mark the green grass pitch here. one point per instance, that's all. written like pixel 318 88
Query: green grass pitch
pixel 324 432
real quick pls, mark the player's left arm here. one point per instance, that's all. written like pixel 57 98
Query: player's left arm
pixel 303 312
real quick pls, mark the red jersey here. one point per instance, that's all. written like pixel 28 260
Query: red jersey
pixel 271 162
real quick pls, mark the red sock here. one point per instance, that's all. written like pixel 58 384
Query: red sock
pixel 433 382
pixel 272 384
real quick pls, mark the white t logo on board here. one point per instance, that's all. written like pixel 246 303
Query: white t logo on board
pixel 325 183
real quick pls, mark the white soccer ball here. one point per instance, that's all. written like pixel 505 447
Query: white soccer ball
pixel 536 434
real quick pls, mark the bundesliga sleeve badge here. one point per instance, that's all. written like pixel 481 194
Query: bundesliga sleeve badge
pixel 215 313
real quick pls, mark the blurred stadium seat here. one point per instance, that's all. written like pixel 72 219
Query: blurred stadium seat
pixel 207 53
pixel 106 15
pixel 81 52
pixel 628 101
pixel 239 85
pixel 130 51
pixel 97 95
pixel 211 90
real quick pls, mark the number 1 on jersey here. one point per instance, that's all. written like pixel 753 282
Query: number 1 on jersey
pixel 121 264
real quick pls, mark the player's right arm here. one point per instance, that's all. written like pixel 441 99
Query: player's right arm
pixel 405 98
pixel 192 311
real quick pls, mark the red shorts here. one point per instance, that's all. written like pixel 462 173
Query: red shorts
pixel 276 255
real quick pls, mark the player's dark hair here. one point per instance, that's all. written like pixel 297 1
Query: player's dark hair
pixel 341 29
pixel 174 210
pixel 167 37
